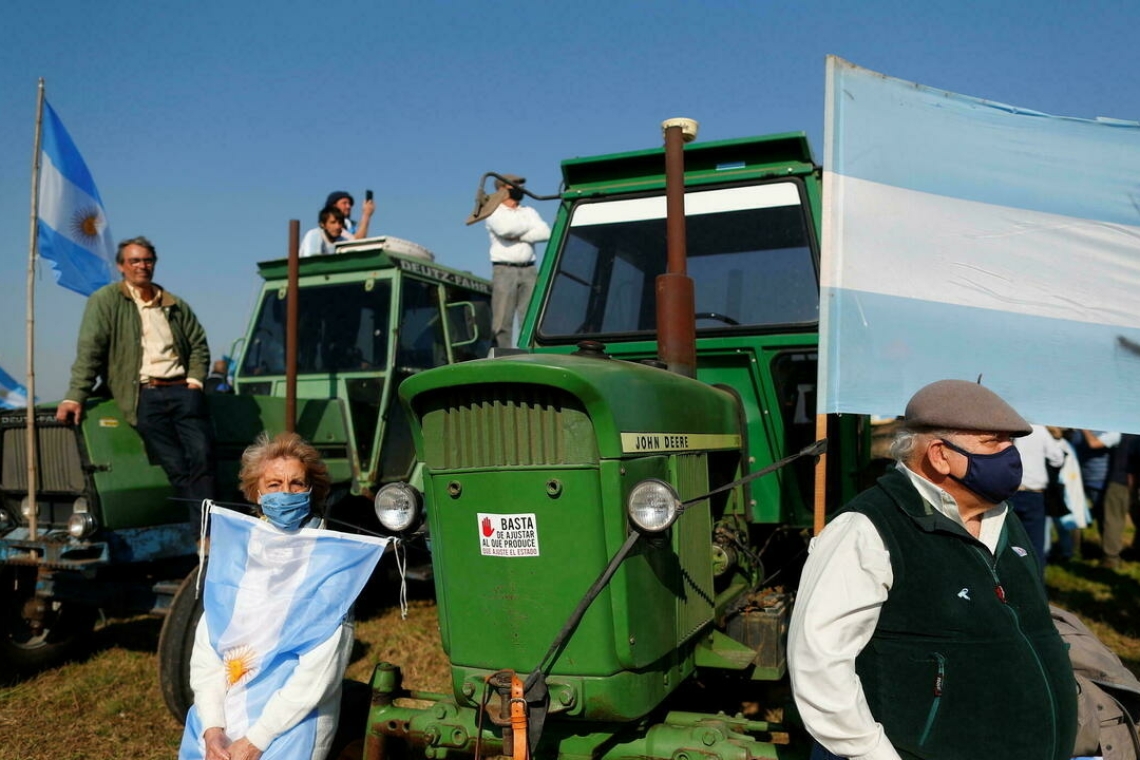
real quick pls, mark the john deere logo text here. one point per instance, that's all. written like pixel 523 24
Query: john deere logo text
pixel 641 443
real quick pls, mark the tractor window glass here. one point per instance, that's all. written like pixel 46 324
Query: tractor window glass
pixel 422 344
pixel 340 328
pixel 749 255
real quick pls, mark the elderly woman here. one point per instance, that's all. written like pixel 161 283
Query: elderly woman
pixel 240 711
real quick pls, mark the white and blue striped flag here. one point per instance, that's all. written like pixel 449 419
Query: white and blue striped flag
pixel 963 237
pixel 72 226
pixel 271 596
pixel 13 395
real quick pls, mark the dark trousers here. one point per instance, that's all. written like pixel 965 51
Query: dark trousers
pixel 174 423
pixel 1029 506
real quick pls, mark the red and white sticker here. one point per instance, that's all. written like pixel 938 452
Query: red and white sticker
pixel 508 535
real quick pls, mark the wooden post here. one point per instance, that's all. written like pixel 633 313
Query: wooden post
pixel 820 503
pixel 30 382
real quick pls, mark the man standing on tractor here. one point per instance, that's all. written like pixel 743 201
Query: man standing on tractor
pixel 514 229
pixel 921 628
pixel 151 353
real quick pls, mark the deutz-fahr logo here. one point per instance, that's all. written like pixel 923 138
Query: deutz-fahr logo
pixel 508 535
pixel 21 419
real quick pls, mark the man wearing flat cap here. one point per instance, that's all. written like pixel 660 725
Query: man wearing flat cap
pixel 514 229
pixel 921 629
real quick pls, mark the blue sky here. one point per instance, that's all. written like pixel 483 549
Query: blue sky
pixel 208 125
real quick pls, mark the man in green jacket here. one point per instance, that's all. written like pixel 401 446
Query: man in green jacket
pixel 152 355
pixel 921 629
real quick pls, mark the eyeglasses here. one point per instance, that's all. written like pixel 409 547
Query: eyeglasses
pixel 139 262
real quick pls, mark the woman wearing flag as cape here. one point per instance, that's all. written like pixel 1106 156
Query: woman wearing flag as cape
pixel 274 638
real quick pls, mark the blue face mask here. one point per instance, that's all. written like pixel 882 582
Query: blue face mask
pixel 994 477
pixel 285 510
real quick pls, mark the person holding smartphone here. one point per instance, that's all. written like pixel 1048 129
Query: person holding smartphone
pixel 343 201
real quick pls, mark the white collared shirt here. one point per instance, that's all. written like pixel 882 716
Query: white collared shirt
pixel 514 231
pixel 159 359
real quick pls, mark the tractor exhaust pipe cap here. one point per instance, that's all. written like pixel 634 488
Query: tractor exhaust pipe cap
pixel 688 127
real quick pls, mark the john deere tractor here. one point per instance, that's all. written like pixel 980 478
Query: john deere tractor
pixel 620 512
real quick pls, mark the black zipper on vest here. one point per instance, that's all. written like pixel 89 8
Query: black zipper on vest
pixel 990 561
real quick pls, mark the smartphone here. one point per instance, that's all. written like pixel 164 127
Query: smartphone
pixel 367 195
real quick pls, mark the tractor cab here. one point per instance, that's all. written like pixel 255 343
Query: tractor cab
pixel 374 314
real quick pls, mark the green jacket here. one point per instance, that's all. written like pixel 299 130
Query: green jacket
pixel 965 662
pixel 110 345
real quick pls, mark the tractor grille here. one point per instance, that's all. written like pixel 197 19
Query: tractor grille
pixel 505 425
pixel 60 469
pixel 691 542
pixel 59 474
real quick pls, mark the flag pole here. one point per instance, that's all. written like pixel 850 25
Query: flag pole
pixel 33 251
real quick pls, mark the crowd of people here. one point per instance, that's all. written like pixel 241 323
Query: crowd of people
pixel 1073 479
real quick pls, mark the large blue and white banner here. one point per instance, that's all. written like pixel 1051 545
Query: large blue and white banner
pixel 966 238
pixel 271 596
pixel 72 229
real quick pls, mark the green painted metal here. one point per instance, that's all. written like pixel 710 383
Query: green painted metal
pixel 594 383
pixel 634 644
pixel 447 728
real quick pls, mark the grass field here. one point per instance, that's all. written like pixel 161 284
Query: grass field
pixel 108 705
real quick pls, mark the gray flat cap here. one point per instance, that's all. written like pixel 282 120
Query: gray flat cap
pixel 962 405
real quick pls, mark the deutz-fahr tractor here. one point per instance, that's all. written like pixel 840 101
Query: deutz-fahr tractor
pixel 617 528
pixel 109 537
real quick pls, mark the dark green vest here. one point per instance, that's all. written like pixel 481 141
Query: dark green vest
pixel 965 662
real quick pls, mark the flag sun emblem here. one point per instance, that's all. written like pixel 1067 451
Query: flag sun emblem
pixel 87 223
pixel 239 664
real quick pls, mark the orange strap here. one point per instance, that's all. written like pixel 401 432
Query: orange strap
pixel 518 718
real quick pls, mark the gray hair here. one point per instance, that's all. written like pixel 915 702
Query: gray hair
pixel 907 440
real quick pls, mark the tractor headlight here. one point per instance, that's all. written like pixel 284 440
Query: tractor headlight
pixel 82 523
pixel 397 506
pixel 653 505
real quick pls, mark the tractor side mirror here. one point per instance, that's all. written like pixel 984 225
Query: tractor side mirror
pixel 468 321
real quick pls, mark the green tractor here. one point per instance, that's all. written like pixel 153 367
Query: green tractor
pixel 619 513
pixel 368 318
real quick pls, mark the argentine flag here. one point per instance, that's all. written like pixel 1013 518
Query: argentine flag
pixel 72 226
pixel 271 596
pixel 13 395
pixel 964 237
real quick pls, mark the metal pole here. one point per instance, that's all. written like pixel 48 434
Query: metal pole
pixel 30 383
pixel 292 292
pixel 676 325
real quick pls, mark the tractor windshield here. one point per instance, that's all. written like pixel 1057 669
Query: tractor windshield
pixel 749 254
pixel 341 328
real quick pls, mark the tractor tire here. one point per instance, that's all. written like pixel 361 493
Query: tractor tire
pixel 60 634
pixel 175 645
